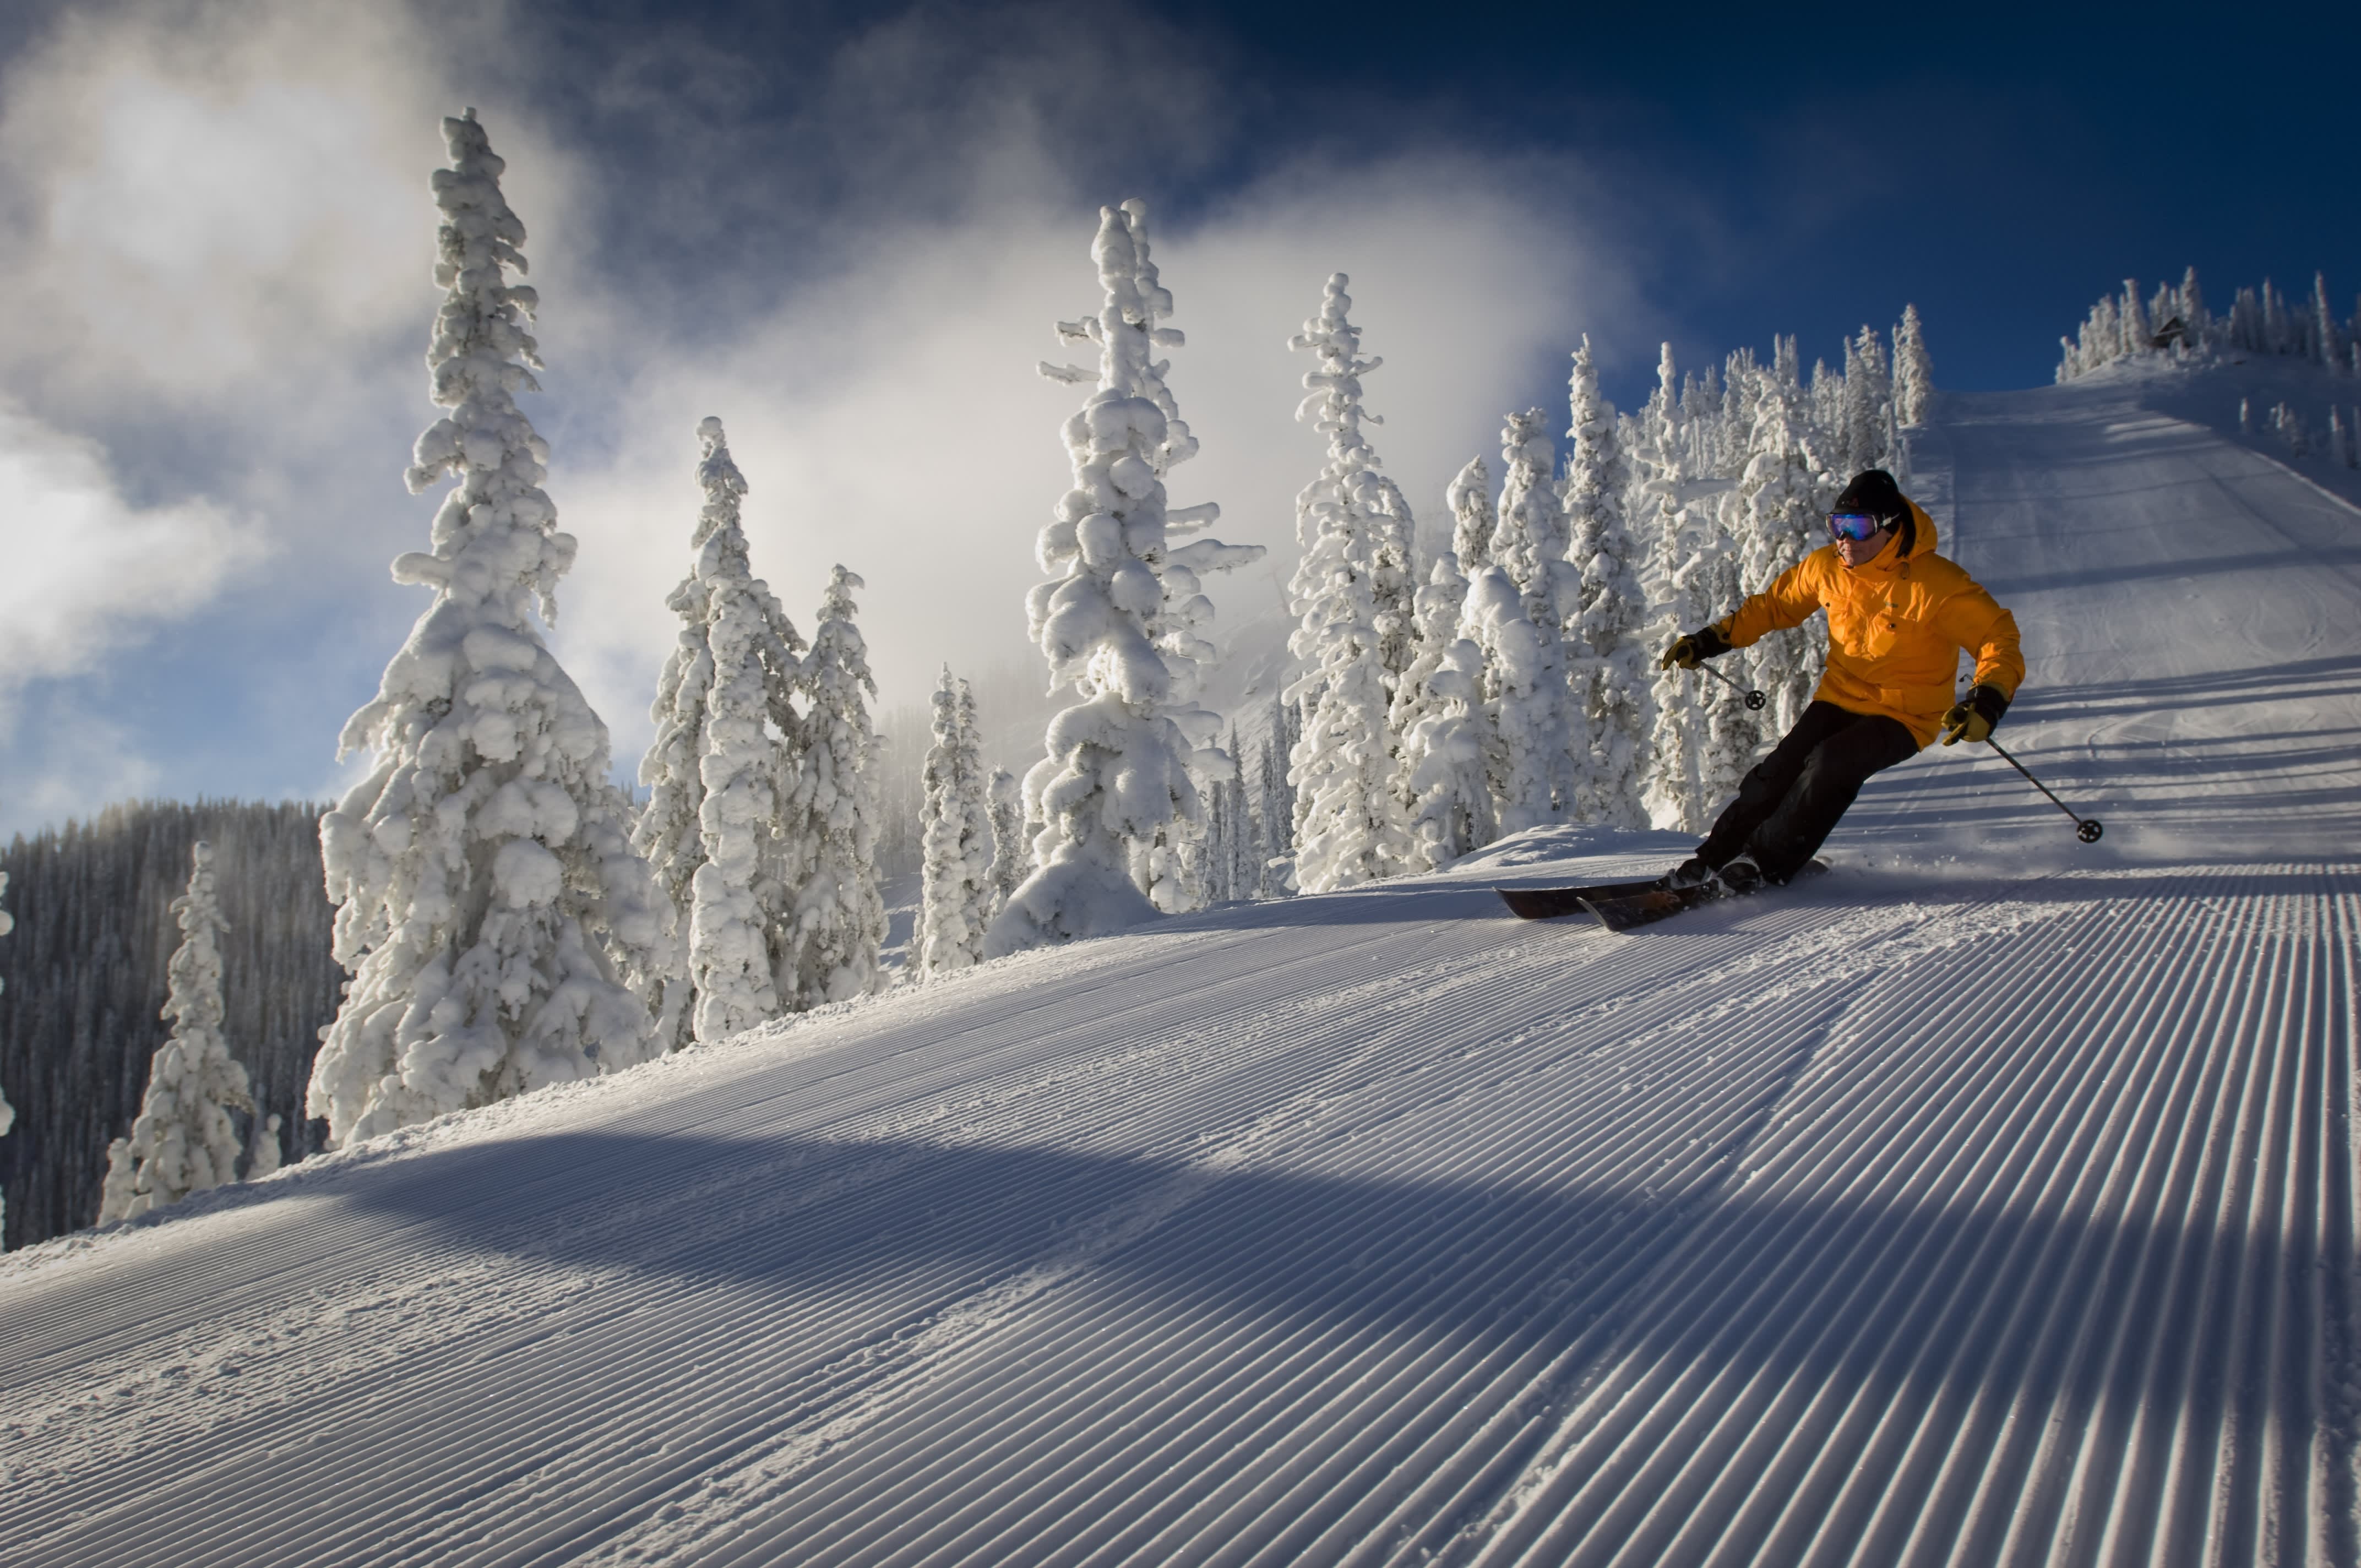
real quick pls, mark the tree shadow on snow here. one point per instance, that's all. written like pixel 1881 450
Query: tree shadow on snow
pixel 1711 1276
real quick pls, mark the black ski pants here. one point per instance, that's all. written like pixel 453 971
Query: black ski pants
pixel 1790 802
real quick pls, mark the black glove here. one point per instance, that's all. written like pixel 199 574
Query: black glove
pixel 1975 716
pixel 1694 648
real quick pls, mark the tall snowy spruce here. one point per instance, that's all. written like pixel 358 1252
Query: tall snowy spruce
pixel 183 1140
pixel 1118 622
pixel 1349 820
pixel 1608 682
pixel 720 769
pixel 1012 847
pixel 955 836
pixel 1914 372
pixel 1523 693
pixel 839 921
pixel 1681 546
pixel 1473 516
pixel 1529 543
pixel 1438 723
pixel 500 932
pixel 1276 802
pixel 1783 494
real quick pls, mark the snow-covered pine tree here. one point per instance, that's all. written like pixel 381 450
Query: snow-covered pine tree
pixel 1608 682
pixel 1679 545
pixel 1349 827
pixel 1277 816
pixel 838 922
pixel 1782 497
pixel 718 770
pixel 264 1153
pixel 955 890
pixel 1531 544
pixel 1524 702
pixel 1474 517
pixel 500 932
pixel 1246 853
pixel 1867 396
pixel 1394 558
pixel 1734 735
pixel 183 1140
pixel 1441 730
pixel 1115 792
pixel 1012 847
pixel 1914 372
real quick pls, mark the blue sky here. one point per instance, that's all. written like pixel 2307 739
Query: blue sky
pixel 846 230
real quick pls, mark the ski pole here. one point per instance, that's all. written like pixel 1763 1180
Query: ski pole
pixel 1754 699
pixel 2086 828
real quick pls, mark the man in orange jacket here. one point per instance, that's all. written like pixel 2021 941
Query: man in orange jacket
pixel 1899 616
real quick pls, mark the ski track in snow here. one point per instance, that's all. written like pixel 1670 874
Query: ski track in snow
pixel 1988 1201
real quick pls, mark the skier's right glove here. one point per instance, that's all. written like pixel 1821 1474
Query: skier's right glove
pixel 1694 648
pixel 1975 716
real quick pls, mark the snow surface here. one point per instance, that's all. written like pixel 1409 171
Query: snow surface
pixel 1991 1198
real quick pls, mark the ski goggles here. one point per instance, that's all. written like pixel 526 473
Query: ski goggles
pixel 1859 527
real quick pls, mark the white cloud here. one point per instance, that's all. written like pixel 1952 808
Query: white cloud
pixel 82 572
pixel 205 198
pixel 218 226
pixel 892 419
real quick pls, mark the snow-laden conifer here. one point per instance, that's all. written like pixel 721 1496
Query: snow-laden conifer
pixel 722 758
pixel 183 1140
pixel 1245 839
pixel 1349 827
pixel 1115 792
pixel 1608 683
pixel 1530 542
pixel 1474 517
pixel 1679 544
pixel 955 890
pixel 1914 371
pixel 1524 702
pixel 1276 818
pixel 1395 587
pixel 1782 495
pixel 1733 733
pixel 264 1153
pixel 500 931
pixel 1439 721
pixel 838 920
pixel 1012 847
pixel 1866 398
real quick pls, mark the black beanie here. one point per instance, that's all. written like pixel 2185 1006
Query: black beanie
pixel 1873 493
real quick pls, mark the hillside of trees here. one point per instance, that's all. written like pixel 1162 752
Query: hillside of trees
pixel 82 979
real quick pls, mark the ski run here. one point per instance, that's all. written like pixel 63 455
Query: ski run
pixel 1988 1200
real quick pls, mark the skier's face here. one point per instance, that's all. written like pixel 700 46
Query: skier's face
pixel 1862 552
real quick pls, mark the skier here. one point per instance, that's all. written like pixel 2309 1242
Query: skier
pixel 1898 615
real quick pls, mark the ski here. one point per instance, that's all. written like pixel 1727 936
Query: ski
pixel 1645 908
pixel 1549 903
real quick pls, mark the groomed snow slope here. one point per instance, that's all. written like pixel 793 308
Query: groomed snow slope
pixel 1990 1199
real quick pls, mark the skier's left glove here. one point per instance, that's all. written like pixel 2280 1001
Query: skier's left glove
pixel 1975 716
pixel 1692 649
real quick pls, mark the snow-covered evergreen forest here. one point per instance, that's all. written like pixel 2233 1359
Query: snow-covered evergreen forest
pixel 82 984
pixel 508 917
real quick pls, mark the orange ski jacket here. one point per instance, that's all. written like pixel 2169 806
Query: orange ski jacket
pixel 1896 628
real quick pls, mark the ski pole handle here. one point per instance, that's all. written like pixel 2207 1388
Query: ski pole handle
pixel 1754 699
pixel 2086 828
